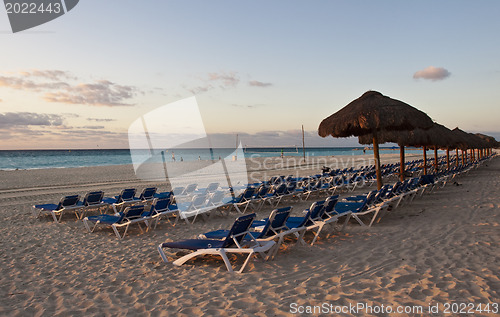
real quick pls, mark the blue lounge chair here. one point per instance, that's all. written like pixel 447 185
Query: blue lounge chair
pixel 131 215
pixel 148 194
pixel 231 244
pixel 359 209
pixel 331 216
pixel 242 200
pixel 197 206
pixel 67 203
pixel 215 202
pixel 163 208
pixel 127 196
pixel 270 227
pixel 91 201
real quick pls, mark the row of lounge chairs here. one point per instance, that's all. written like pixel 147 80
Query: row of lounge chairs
pixel 266 242
pixel 94 200
pixel 262 237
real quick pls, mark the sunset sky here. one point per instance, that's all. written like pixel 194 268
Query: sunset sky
pixel 260 69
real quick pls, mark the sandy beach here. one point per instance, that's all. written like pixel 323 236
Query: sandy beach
pixel 441 249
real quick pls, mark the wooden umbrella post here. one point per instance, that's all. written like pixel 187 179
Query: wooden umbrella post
pixel 447 158
pixel 463 158
pixel 425 161
pixel 435 159
pixel 402 162
pixel 457 156
pixel 377 159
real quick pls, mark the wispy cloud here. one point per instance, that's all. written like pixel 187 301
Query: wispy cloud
pixel 220 80
pixel 33 130
pixel 224 79
pixel 49 82
pixel 22 83
pixel 210 81
pixel 94 127
pixel 198 89
pixel 10 119
pixel 102 93
pixel 100 120
pixel 256 83
pixel 432 73
pixel 49 74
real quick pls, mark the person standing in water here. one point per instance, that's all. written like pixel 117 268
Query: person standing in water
pixel 173 156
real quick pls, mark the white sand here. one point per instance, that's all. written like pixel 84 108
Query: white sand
pixel 443 248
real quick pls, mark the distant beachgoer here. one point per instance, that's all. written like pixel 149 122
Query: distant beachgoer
pixel 199 158
pixel 182 159
pixel 364 151
pixel 281 153
pixel 173 156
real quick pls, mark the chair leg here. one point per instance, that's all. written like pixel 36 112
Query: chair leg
pixel 85 223
pixel 115 229
pixel 320 227
pixel 358 220
pixel 223 255
pixel 374 216
pixel 54 215
pixel 162 253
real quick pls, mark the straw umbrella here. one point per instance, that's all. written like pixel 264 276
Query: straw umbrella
pixel 441 137
pixel 370 114
pixel 402 138
pixel 479 143
pixel 462 141
pixel 437 136
pixel 490 141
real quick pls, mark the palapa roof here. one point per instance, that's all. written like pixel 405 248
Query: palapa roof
pixel 373 112
pixel 489 140
pixel 464 141
pixel 438 135
pixel 478 143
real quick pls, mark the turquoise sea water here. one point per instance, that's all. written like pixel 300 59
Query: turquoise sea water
pixel 36 159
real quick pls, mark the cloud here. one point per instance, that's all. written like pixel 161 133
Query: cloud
pixel 10 119
pixel 198 89
pixel 432 73
pixel 100 120
pixel 102 93
pixel 49 74
pixel 94 127
pixel 98 93
pixel 21 83
pixel 230 79
pixel 222 80
pixel 256 83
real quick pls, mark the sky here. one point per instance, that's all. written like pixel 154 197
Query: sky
pixel 258 69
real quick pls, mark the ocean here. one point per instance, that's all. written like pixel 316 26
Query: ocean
pixel 37 159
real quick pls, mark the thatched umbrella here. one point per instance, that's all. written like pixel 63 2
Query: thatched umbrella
pixel 441 137
pixel 370 114
pixel 402 138
pixel 463 141
pixel 490 142
pixel 479 143
pixel 437 136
